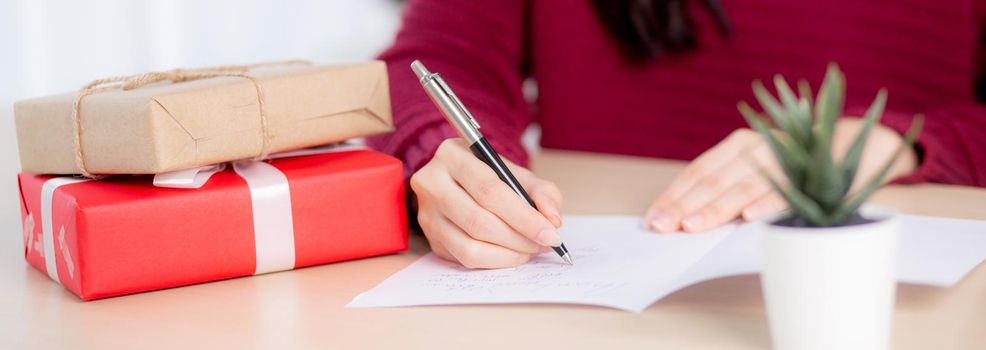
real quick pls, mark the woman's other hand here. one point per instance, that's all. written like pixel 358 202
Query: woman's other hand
pixel 724 183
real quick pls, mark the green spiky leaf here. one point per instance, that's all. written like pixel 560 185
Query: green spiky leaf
pixel 791 160
pixel 776 112
pixel 852 204
pixel 801 121
pixel 818 189
pixel 851 161
pixel 829 104
pixel 801 204
pixel 824 182
pixel 804 92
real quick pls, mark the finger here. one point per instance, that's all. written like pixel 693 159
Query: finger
pixel 728 206
pixel 709 190
pixel 476 221
pixel 427 222
pixel 668 216
pixel 547 197
pixel 768 204
pixel 531 182
pixel 476 254
pixel 657 217
pixel 441 252
pixel 495 196
pixel 545 194
pixel 709 163
pixel 439 249
pixel 522 173
pixel 547 207
pixel 746 167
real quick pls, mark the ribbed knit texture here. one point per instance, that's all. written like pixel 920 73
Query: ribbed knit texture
pixel 678 106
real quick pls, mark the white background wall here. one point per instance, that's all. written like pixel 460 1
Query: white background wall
pixel 52 46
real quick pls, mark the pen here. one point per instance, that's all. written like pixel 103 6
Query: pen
pixel 463 122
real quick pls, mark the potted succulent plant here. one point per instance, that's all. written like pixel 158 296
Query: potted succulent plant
pixel 828 262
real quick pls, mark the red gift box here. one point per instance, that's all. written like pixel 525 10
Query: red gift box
pixel 123 235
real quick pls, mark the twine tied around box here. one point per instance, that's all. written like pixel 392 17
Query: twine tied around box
pixel 130 82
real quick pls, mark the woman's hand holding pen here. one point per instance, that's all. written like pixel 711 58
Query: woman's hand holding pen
pixel 723 183
pixel 469 215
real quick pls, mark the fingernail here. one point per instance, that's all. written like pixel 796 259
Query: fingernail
pixel 694 222
pixel 649 216
pixel 661 222
pixel 749 214
pixel 754 212
pixel 549 237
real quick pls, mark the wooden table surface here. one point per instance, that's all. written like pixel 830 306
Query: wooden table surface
pixel 304 308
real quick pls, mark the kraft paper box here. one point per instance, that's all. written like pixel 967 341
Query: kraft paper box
pixel 171 126
pixel 121 235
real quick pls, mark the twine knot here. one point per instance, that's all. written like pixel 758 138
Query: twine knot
pixel 130 82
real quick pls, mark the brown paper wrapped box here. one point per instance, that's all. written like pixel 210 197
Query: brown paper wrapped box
pixel 165 127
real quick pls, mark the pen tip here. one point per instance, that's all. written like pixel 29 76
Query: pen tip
pixel 568 259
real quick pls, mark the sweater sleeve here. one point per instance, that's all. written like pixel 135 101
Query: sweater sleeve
pixel 952 145
pixel 478 48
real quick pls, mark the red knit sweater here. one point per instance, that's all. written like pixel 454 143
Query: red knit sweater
pixel 589 98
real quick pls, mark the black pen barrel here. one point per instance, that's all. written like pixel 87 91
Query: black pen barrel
pixel 484 151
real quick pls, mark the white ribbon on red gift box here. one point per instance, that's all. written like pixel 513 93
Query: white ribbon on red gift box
pixel 270 198
pixel 47 228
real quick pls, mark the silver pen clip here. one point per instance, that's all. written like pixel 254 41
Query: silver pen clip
pixel 455 99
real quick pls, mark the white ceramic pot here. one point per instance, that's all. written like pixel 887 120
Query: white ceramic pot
pixel 831 288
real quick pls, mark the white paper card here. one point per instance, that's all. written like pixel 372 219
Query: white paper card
pixel 620 265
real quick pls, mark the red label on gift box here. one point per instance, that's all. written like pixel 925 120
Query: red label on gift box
pixel 122 235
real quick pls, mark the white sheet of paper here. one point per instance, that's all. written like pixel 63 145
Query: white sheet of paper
pixel 619 265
